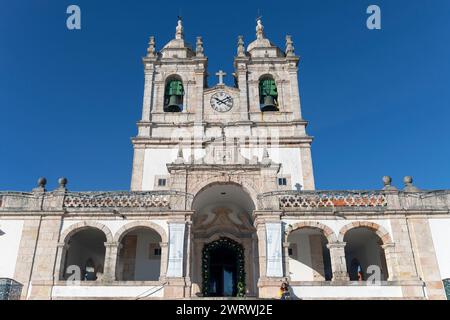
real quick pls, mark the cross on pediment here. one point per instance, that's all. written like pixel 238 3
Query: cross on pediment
pixel 220 74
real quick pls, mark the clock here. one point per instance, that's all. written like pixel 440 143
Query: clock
pixel 221 101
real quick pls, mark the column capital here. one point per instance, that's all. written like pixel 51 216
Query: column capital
pixel 111 244
pixel 336 245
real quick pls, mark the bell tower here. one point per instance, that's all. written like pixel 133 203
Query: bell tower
pixel 254 122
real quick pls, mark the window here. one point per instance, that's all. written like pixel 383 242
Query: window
pixel 282 181
pixel 268 94
pixel 162 182
pixel 154 251
pixel 173 96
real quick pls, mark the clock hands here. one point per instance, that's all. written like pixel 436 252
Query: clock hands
pixel 224 101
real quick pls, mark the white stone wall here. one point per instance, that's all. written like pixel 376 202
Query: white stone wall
pixel 10 235
pixel 155 161
pixel 441 238
pixel 145 268
pixel 299 268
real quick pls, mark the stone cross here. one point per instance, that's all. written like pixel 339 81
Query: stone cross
pixel 221 74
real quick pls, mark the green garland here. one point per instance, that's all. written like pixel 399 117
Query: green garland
pixel 206 259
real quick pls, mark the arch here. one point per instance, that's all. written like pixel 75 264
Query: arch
pixel 380 231
pixel 327 231
pixel 268 93
pixel 140 224
pixel 171 76
pixel 266 75
pixel 238 250
pixel 173 93
pixel 203 185
pixel 73 229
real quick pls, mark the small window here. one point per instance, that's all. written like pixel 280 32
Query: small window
pixel 290 251
pixel 162 182
pixel 154 251
pixel 282 181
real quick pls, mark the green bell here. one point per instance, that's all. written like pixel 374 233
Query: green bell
pixel 269 104
pixel 173 105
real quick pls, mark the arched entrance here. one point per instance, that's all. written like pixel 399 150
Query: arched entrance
pixel 222 231
pixel 223 269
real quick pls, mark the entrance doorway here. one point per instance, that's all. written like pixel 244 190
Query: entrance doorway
pixel 222 281
pixel 223 269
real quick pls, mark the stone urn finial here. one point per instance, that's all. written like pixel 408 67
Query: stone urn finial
pixel 62 182
pixel 387 182
pixel 409 187
pixel 42 182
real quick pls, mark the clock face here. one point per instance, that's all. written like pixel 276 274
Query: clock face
pixel 221 101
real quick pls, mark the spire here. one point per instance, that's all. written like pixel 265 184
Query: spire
pixel 179 29
pixel 289 46
pixel 259 29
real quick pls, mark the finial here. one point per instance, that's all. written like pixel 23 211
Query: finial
pixel 387 181
pixel 289 46
pixel 241 48
pixel 199 47
pixel 40 185
pixel 409 187
pixel 62 182
pixel 42 182
pixel 179 29
pixel 259 29
pixel 151 47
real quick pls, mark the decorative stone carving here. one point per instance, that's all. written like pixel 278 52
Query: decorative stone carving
pixel 199 47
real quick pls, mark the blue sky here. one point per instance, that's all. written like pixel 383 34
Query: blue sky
pixel 378 102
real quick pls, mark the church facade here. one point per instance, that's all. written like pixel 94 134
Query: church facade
pixel 223 203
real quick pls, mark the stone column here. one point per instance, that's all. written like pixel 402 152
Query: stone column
pixel 338 263
pixel 243 95
pixel 274 260
pixel 176 283
pixel 391 261
pixel 286 270
pixel 261 234
pixel 109 271
pixel 164 256
pixel 61 254
pixel 148 93
pixel 295 96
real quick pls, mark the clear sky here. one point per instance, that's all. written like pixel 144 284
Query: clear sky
pixel 378 101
